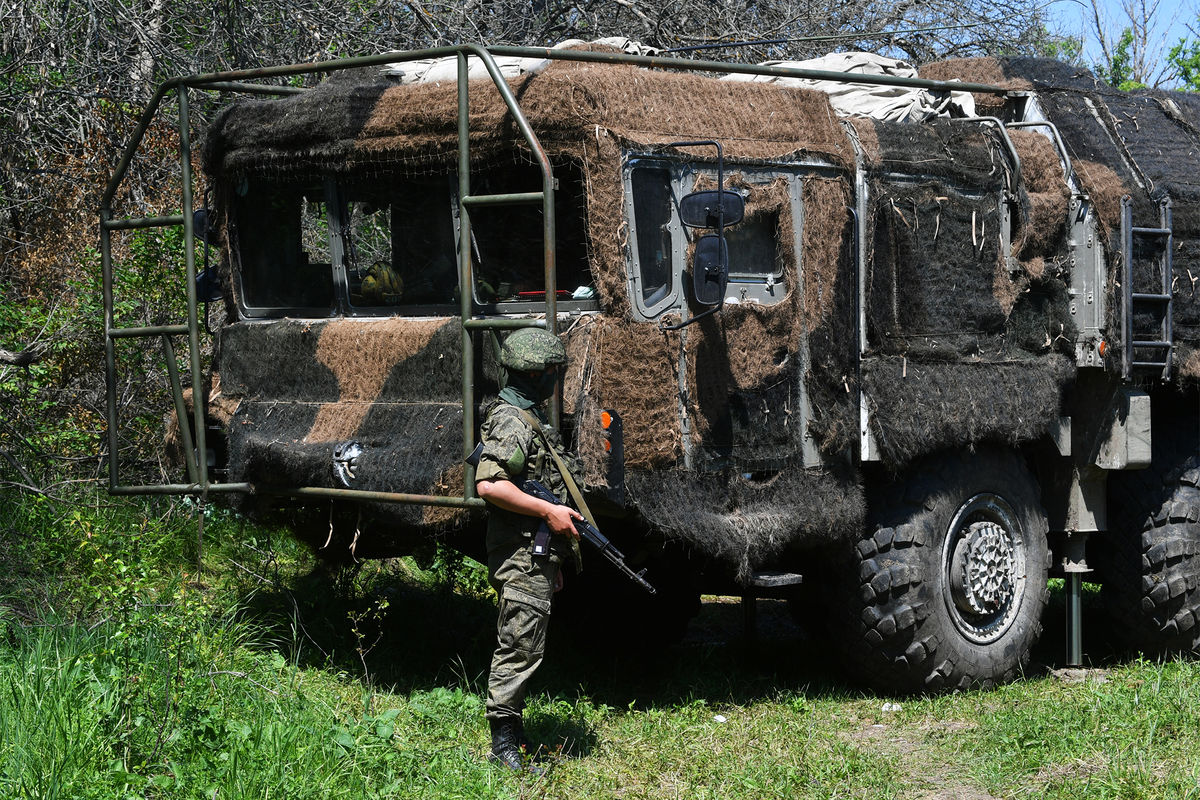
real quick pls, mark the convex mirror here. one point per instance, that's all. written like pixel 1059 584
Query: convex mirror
pixel 709 269
pixel 711 208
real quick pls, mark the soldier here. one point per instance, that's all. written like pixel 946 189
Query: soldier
pixel 514 451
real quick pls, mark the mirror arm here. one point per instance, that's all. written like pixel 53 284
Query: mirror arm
pixel 690 320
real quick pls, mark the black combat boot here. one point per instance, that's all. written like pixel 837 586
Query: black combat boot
pixel 506 742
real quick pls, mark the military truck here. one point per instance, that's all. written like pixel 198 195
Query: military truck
pixel 900 358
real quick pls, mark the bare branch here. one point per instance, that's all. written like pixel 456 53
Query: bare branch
pixel 30 355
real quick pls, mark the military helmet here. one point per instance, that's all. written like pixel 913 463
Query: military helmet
pixel 532 350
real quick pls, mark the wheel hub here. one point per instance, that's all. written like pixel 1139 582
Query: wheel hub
pixel 984 562
pixel 981 571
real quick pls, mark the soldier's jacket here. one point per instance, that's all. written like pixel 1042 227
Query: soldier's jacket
pixel 511 450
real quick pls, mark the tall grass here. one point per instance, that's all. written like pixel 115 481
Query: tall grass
pixel 163 704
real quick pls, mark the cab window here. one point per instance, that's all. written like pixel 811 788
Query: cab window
pixel 283 245
pixel 654 212
pixel 754 247
pixel 508 239
pixel 400 245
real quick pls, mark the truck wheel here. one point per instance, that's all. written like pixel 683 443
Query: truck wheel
pixel 1150 559
pixel 949 587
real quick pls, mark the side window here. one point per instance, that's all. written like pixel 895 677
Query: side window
pixel 754 246
pixel 653 212
pixel 283 245
pixel 400 245
pixel 762 249
pixel 507 239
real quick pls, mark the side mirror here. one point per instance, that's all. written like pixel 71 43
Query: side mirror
pixel 712 208
pixel 710 269
pixel 208 286
pixel 201 229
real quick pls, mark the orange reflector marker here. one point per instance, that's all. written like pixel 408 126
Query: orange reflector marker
pixel 605 420
pixel 607 446
pixel 1103 348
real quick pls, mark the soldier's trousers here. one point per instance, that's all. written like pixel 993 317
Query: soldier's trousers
pixel 525 585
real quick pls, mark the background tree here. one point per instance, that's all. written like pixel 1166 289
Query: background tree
pixel 1134 50
pixel 1184 58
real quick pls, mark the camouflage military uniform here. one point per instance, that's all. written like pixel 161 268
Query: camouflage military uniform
pixel 523 582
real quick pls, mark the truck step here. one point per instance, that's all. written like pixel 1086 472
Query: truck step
pixel 775 580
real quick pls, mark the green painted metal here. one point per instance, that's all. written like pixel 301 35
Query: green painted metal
pixel 153 330
pixel 375 497
pixel 520 198
pixel 251 88
pixel 191 454
pixel 189 261
pixel 182 489
pixel 502 323
pixel 466 281
pixel 110 359
pixel 132 223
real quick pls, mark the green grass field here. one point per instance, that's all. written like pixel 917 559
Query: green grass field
pixel 128 672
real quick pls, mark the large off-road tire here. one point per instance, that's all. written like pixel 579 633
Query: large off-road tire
pixel 1149 560
pixel 947 589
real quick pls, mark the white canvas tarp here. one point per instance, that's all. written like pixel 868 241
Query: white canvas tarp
pixel 895 103
pixel 437 70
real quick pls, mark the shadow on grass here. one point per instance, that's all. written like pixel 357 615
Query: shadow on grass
pixel 432 636
pixel 426 637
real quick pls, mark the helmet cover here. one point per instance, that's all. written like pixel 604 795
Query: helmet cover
pixel 532 350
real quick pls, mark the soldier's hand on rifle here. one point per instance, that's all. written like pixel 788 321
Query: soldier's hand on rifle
pixel 561 520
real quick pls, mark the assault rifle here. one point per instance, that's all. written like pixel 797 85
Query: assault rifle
pixel 588 532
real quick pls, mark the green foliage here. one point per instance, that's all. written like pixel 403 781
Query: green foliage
pixel 1118 71
pixel 55 407
pixel 1068 49
pixel 1184 57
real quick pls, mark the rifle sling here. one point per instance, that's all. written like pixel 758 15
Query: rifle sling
pixel 572 488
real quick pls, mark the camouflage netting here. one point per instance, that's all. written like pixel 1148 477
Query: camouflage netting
pixel 634 369
pixel 962 326
pixel 1144 144
pixel 747 523
pixel 936 241
pixel 918 408
pixel 392 385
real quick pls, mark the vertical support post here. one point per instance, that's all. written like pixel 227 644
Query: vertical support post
pixel 189 255
pixel 1074 564
pixel 551 276
pixel 110 356
pixel 190 454
pixel 1074 619
pixel 1168 280
pixel 465 282
pixel 1127 287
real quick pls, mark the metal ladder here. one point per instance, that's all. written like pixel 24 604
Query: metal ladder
pixel 1135 360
